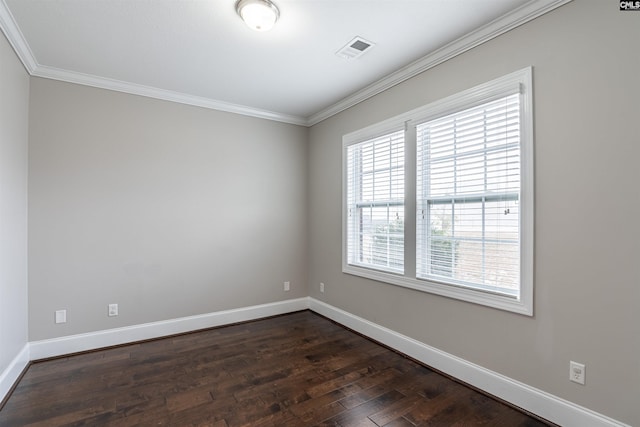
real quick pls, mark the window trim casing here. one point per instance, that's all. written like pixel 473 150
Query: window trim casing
pixel 519 81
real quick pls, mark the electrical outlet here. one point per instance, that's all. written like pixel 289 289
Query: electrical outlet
pixel 61 316
pixel 321 287
pixel 576 372
pixel 287 286
pixel 113 310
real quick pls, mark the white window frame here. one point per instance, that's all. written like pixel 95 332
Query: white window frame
pixel 520 81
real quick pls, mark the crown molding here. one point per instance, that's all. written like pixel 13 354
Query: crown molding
pixel 16 39
pixel 22 49
pixel 167 95
pixel 513 19
pixel 509 21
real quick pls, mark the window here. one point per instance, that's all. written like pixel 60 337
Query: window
pixel 468 189
pixel 440 199
pixel 375 202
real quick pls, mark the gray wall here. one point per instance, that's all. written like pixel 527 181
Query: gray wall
pixel 166 209
pixel 171 210
pixel 587 146
pixel 14 115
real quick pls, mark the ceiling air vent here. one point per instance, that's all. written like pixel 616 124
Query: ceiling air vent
pixel 355 48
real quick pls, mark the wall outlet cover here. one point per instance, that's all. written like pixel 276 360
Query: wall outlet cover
pixel 113 310
pixel 576 372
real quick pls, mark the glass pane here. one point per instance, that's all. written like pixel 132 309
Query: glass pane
pixel 441 178
pixel 468 220
pixel 440 246
pixel 382 236
pixel 470 174
pixel 502 221
pixel 470 261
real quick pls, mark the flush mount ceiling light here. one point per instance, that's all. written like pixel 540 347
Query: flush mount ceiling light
pixel 259 15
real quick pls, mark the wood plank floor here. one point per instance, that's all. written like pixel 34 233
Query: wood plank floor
pixel 299 369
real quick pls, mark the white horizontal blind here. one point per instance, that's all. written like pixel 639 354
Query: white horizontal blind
pixel 468 190
pixel 375 203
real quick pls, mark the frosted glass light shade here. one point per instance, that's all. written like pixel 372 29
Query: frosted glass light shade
pixel 259 15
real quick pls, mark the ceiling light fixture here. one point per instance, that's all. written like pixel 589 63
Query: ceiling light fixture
pixel 259 15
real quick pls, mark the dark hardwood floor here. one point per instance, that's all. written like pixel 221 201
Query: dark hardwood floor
pixel 298 369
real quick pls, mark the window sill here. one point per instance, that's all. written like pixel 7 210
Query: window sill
pixel 522 306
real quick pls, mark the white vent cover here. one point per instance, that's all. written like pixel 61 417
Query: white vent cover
pixel 355 48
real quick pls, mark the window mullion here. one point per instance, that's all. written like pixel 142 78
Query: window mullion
pixel 410 186
pixel 484 241
pixel 358 198
pixel 455 194
pixel 389 227
pixel 484 199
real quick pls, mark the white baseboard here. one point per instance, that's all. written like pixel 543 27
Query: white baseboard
pixel 536 401
pixel 110 337
pixel 11 374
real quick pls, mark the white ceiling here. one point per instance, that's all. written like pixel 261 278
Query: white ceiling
pixel 200 52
